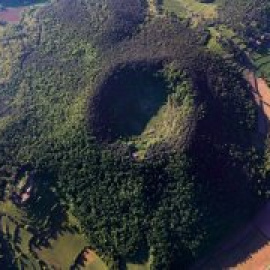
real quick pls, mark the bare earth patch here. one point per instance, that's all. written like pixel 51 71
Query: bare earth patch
pixel 258 261
pixel 11 15
pixel 89 256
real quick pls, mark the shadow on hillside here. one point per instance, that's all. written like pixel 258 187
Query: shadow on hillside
pixel 126 101
pixel 223 145
pixel 47 215
pixel 242 251
pixel 244 245
pixel 251 243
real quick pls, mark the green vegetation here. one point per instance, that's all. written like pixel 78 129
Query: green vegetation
pixel 248 18
pixel 262 64
pixel 141 141
pixel 63 250
pixel 194 9
pixel 30 246
pixel 142 106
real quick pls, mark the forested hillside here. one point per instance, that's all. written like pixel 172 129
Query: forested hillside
pixel 130 124
pixel 248 18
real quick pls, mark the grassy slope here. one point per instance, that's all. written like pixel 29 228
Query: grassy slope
pixel 62 251
pixel 170 121
pixel 58 110
pixel 262 63
pixel 61 129
pixel 189 8
pixel 192 8
pixel 144 110
pixel 60 114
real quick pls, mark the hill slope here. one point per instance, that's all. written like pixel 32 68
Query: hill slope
pixel 141 132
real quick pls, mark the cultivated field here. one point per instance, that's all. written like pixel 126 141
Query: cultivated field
pixel 11 15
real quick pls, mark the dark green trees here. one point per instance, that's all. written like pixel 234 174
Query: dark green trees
pixel 176 223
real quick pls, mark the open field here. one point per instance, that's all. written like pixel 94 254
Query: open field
pixel 146 266
pixel 62 251
pixel 12 11
pixel 11 15
pixel 59 253
pixel 191 9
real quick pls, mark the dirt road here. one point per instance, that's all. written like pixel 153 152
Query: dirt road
pixel 261 93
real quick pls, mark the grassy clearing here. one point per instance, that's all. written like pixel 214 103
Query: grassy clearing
pixel 15 230
pixel 129 102
pixel 191 9
pixel 8 208
pixel 138 104
pixel 144 108
pixel 262 63
pixel 167 123
pixel 176 7
pixel 60 253
pixel 63 251
pixel 213 43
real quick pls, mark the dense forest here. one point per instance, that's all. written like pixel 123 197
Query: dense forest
pixel 249 19
pixel 148 137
